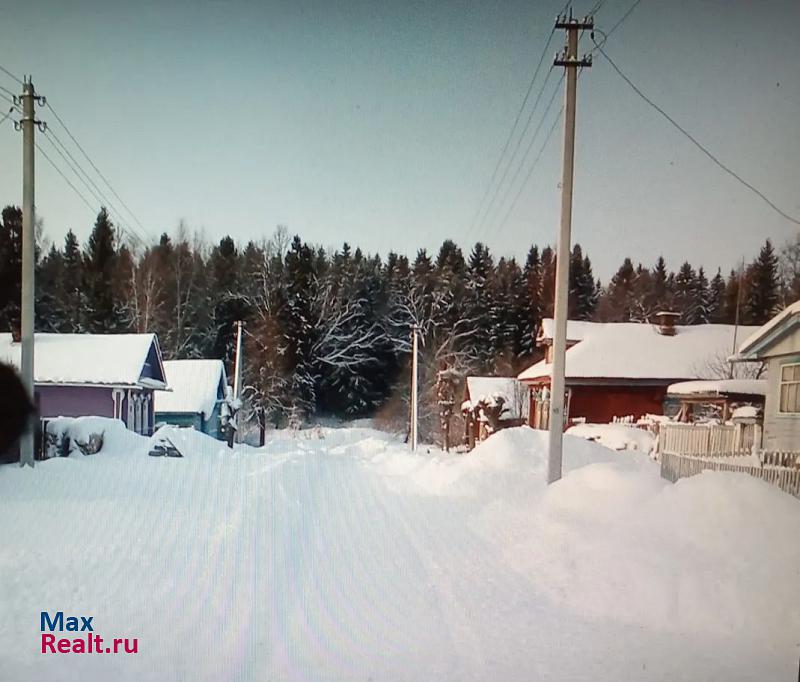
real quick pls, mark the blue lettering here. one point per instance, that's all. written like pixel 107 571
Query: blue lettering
pixel 56 624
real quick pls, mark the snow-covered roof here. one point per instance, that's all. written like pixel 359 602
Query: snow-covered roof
pixel 576 329
pixel 91 359
pixel 751 345
pixel 720 387
pixel 194 386
pixel 507 387
pixel 631 350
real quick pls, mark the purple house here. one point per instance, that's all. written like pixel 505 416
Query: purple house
pixel 103 375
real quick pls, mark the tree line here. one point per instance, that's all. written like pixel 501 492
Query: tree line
pixel 330 332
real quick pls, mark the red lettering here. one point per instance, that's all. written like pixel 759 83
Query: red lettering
pixel 134 649
pixel 116 642
pixel 63 646
pixel 47 641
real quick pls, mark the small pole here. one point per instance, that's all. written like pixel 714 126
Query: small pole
pixel 569 60
pixel 237 378
pixel 28 125
pixel 414 386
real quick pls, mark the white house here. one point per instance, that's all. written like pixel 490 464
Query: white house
pixel 778 344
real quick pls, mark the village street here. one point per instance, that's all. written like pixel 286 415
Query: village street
pixel 335 554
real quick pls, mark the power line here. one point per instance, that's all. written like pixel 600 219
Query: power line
pixel 97 170
pixel 8 73
pixel 695 142
pixel 65 178
pixel 478 211
pixel 622 19
pixel 517 147
pixel 7 91
pixel 530 170
pixel 78 170
pixel 532 140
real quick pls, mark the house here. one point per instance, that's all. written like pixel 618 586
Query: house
pixel 777 344
pixel 197 392
pixel 621 369
pixel 104 375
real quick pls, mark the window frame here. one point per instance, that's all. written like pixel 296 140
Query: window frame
pixel 793 381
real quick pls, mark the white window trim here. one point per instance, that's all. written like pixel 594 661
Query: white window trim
pixel 781 384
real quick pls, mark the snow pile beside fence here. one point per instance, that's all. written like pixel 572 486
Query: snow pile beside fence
pixel 703 555
pixel 616 436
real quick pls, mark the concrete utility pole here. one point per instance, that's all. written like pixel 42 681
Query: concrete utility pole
pixel 569 60
pixel 28 125
pixel 414 387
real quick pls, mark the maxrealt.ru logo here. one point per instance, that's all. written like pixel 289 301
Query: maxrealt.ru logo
pixel 88 643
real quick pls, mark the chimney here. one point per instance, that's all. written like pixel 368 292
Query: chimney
pixel 666 322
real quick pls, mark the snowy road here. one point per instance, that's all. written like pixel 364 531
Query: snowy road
pixel 346 558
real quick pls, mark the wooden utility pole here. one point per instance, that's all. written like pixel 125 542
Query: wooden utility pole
pixel 569 60
pixel 414 386
pixel 28 125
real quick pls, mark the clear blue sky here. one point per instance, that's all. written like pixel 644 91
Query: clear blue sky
pixel 380 123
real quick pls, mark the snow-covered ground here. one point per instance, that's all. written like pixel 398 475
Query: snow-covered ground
pixel 616 436
pixel 335 554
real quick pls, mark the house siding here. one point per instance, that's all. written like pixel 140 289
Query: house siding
pixel 781 431
pixel 75 401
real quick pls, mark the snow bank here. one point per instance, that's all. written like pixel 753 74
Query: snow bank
pixel 615 436
pixel 114 435
pixel 716 553
pixel 512 459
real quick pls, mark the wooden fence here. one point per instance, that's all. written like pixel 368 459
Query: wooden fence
pixel 708 440
pixel 675 467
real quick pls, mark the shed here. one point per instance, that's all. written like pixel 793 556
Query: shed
pixel 725 394
pixel 197 391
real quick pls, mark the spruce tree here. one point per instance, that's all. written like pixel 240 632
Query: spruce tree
pixel 763 294
pixel 101 311
pixel 532 303
pixel 685 293
pixel 716 299
pixel 10 268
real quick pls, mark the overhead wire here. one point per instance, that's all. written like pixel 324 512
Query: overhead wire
pixel 90 185
pixel 8 73
pixel 97 170
pixel 521 164
pixel 695 141
pixel 479 210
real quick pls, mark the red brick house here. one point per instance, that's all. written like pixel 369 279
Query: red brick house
pixel 620 369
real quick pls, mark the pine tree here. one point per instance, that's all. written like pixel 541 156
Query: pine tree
pixel 763 294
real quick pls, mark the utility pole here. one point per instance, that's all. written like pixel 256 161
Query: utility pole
pixel 237 378
pixel 569 60
pixel 414 386
pixel 735 348
pixel 28 125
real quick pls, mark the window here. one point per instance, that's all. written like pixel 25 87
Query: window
pixel 790 389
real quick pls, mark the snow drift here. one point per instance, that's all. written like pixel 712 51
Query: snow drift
pixel 336 554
